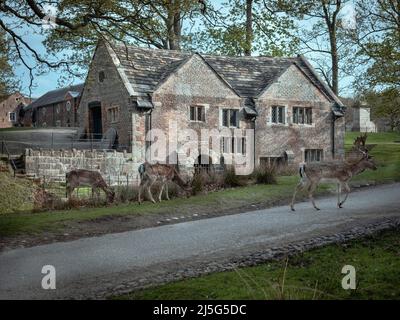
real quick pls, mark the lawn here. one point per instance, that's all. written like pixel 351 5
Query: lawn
pixel 315 274
pixel 386 153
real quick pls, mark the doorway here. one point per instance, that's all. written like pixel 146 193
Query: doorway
pixel 95 120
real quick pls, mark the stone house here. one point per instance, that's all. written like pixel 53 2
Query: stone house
pixel 294 115
pixel 11 109
pixel 56 108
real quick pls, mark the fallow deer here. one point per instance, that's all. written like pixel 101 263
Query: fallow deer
pixel 339 172
pixel 150 173
pixel 93 179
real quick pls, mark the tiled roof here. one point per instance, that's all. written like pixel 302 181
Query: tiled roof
pixel 248 76
pixel 55 96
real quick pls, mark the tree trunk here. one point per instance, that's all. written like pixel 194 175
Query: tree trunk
pixel 249 27
pixel 174 30
pixel 335 63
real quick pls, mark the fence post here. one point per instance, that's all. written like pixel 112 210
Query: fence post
pixel 52 140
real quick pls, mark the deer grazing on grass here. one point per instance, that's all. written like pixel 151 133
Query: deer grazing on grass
pixel 150 173
pixel 339 172
pixel 93 179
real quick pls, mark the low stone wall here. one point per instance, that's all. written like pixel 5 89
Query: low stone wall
pixel 117 168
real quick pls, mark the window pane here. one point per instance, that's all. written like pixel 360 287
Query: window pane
pixel 309 116
pixel 192 113
pixel 281 114
pixel 233 116
pixel 225 118
pixel 301 115
pixel 295 115
pixel 273 115
pixel 198 118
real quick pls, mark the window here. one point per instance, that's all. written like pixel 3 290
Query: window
pixel 68 106
pixel 12 117
pixel 233 145
pixel 241 145
pixel 313 155
pixel 102 76
pixel 197 113
pixel 302 115
pixel 113 114
pixel 230 118
pixel 278 114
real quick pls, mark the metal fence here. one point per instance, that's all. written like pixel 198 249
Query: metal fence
pixel 18 141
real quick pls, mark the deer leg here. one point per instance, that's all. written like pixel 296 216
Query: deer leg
pixel 149 191
pixel 161 191
pixel 166 190
pixel 141 186
pixel 347 188
pixel 339 191
pixel 299 186
pixel 311 191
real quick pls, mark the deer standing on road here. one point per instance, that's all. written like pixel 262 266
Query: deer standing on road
pixel 93 179
pixel 150 173
pixel 339 172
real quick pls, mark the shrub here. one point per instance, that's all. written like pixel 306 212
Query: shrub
pixel 198 183
pixel 125 194
pixel 266 174
pixel 231 179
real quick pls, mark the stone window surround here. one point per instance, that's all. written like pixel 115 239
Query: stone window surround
pixel 288 119
pixel 116 111
pixel 14 118
pixel 303 152
pixel 204 105
pixel 269 116
pixel 237 119
pixel 306 125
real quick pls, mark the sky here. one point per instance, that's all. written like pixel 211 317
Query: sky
pixel 49 81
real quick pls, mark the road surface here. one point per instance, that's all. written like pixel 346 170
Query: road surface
pixel 86 266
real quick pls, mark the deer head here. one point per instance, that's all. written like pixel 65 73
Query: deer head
pixel 368 162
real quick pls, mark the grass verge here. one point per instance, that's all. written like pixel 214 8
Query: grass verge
pixel 315 274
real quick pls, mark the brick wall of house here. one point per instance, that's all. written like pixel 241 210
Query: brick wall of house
pixel 111 93
pixel 60 114
pixel 12 104
pixel 294 90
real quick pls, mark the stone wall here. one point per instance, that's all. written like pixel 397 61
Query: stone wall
pixel 117 168
pixel 111 94
pixel 291 90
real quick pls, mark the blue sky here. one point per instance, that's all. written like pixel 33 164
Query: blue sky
pixel 49 80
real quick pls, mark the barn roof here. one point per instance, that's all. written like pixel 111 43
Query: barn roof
pixel 146 69
pixel 55 96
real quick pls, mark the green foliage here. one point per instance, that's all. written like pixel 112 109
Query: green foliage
pixel 225 34
pixel 231 179
pixel 7 81
pixel 266 174
pixel 386 104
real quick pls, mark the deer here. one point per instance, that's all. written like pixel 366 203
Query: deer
pixel 150 173
pixel 93 179
pixel 339 172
